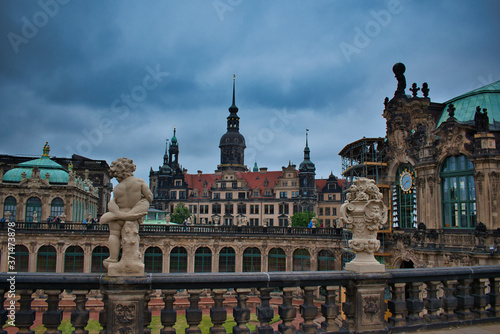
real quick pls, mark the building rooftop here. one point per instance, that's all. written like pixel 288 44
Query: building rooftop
pixel 465 105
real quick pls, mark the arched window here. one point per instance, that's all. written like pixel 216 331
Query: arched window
pixel 56 207
pixel 326 260
pixel 227 262
pixel 252 260
pixel 10 204
pixel 301 260
pixel 153 260
pixel 46 259
pixel 203 260
pixel 277 260
pixel 34 204
pixel 73 260
pixel 178 260
pixel 458 193
pixel 99 254
pixel 404 198
pixel 21 258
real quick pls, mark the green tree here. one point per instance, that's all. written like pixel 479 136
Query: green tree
pixel 180 214
pixel 302 219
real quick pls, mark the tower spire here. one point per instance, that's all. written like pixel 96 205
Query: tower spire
pixel 233 109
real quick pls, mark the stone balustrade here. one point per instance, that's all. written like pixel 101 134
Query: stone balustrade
pixel 416 299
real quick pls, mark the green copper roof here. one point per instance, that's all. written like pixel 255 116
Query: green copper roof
pixel 465 105
pixel 44 164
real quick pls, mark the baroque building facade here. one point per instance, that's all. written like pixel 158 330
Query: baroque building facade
pixel 235 195
pixel 439 170
pixel 41 189
pixel 96 171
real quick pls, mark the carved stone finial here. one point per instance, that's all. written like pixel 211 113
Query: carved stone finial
pixel 386 101
pixel 399 70
pixel 414 89
pixel 425 89
pixel 364 213
pixel 451 110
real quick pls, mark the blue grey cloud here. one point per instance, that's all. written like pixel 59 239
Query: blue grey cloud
pixel 75 73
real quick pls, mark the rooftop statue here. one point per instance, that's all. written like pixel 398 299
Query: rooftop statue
pixel 127 208
pixel 399 70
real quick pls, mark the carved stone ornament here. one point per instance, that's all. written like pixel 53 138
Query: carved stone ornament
pixel 364 213
pixel 125 317
pixel 371 305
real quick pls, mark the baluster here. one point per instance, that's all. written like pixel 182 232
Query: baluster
pixel 265 312
pixel 287 312
pixel 449 301
pixel 147 313
pixel 80 316
pixel 308 311
pixel 465 300
pixel 25 316
pixel 168 313
pixel 218 313
pixel 193 313
pixel 432 303
pixel 397 305
pixel 102 314
pixel 349 306
pixel 494 294
pixel 414 304
pixel 3 312
pixel 241 312
pixel 330 310
pixel 53 316
pixel 480 298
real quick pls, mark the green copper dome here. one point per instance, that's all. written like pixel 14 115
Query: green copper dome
pixel 57 173
pixel 465 105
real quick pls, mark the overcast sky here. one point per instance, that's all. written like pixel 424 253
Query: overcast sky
pixel 106 79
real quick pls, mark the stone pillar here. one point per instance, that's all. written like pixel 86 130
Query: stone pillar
pixel 364 213
pixel 125 303
pixel 365 306
pixel 190 259
pixel 59 257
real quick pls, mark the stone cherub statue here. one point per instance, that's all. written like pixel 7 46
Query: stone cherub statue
pixel 127 209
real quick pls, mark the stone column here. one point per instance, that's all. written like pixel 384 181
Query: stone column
pixel 59 257
pixel 87 257
pixel 364 213
pixel 125 303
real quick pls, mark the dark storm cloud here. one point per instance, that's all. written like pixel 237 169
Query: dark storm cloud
pixel 80 81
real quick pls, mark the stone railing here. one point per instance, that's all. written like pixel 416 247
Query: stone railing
pixel 417 299
pixel 28 227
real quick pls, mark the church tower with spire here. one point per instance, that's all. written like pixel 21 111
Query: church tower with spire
pixel 307 185
pixel 232 143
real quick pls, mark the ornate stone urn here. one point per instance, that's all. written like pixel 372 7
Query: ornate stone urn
pixel 364 213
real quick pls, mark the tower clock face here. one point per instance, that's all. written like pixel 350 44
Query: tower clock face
pixel 406 181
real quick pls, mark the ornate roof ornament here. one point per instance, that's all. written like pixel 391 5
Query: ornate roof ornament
pixel 399 70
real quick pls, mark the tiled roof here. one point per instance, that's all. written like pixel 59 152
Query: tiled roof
pixel 196 181
pixel 257 179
